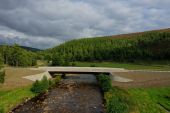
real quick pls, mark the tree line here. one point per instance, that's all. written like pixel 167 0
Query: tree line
pixel 147 46
pixel 2 72
pixel 16 56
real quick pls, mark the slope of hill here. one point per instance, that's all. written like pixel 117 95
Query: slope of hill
pixel 26 48
pixel 30 49
pixel 131 35
pixel 150 45
pixel 14 55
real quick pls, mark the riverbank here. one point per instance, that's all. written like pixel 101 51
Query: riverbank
pixel 155 99
pixel 11 98
pixel 75 94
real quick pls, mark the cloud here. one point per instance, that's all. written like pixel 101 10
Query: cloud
pixel 46 23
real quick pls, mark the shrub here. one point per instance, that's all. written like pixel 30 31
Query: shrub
pixel 104 82
pixel 57 79
pixel 2 76
pixel 1 109
pixel 66 63
pixel 40 86
pixel 36 87
pixel 73 64
pixel 43 85
pixel 92 65
pixel 51 83
pixel 118 101
pixel 57 60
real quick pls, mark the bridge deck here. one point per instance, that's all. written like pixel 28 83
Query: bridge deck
pixel 82 69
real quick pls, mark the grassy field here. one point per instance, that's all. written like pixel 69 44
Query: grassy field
pixel 138 100
pixel 143 79
pixel 134 100
pixel 9 99
pixel 151 100
pixel 13 78
pixel 15 89
pixel 145 100
pixel 134 66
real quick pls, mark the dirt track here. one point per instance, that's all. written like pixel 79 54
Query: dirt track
pixel 144 79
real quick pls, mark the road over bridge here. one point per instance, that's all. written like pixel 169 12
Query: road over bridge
pixel 78 70
pixel 82 70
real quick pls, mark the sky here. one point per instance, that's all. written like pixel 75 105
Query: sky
pixel 47 23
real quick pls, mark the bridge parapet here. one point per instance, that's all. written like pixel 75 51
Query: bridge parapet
pixel 82 69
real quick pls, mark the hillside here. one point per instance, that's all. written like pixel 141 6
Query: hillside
pixel 26 48
pixel 149 45
pixel 131 35
pixel 15 55
pixel 30 49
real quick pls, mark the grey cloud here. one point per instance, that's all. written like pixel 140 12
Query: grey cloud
pixel 30 42
pixel 45 23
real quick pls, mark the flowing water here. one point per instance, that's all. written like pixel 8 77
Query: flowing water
pixel 75 94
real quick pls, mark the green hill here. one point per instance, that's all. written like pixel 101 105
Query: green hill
pixel 31 49
pixel 15 55
pixel 25 47
pixel 149 45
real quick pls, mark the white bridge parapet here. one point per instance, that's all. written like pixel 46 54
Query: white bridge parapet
pixel 83 69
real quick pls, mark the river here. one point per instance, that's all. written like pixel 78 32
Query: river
pixel 75 94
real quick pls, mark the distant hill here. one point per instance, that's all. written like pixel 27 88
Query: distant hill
pixel 131 35
pixel 14 55
pixel 30 49
pixel 27 48
pixel 148 45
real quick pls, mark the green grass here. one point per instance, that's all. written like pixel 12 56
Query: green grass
pixel 151 100
pixel 134 100
pixel 9 99
pixel 134 66
pixel 118 100
pixel 137 100
pixel 104 82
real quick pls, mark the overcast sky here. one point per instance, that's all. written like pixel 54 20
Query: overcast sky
pixel 47 23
